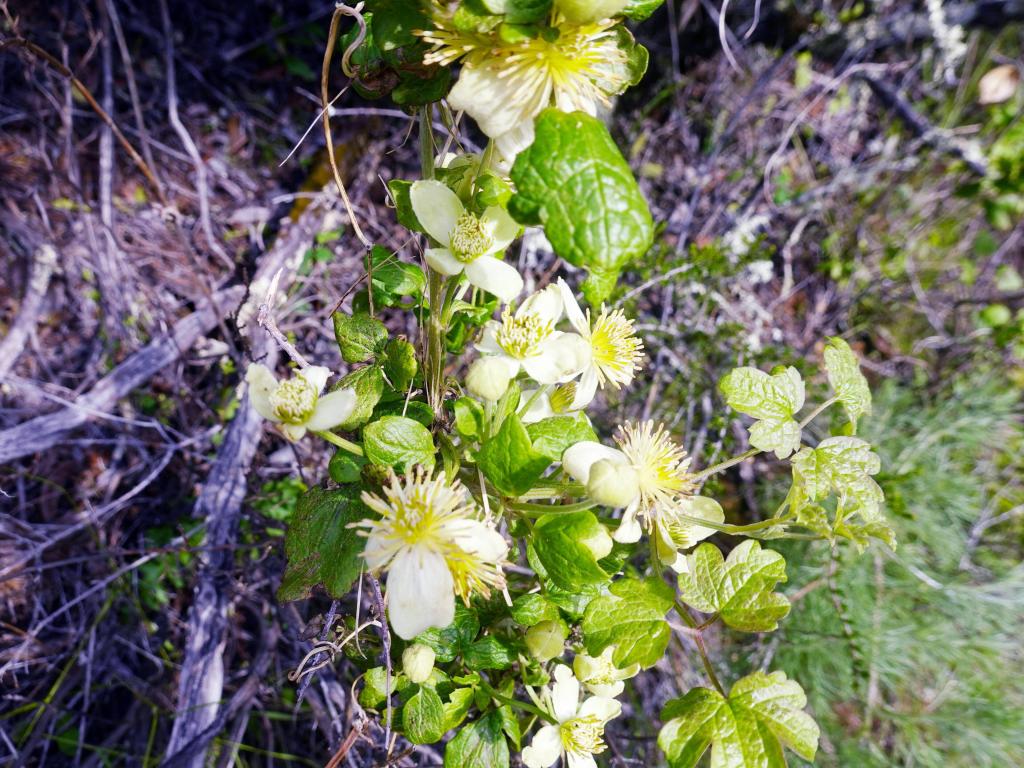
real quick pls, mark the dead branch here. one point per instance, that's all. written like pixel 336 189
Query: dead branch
pixel 43 265
pixel 43 432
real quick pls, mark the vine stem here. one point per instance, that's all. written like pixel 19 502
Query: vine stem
pixel 537 510
pixel 340 442
pixel 714 469
pixel 733 529
pixel 698 639
pixel 817 411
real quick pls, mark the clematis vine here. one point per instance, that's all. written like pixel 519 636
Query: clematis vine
pixel 296 404
pixel 578 731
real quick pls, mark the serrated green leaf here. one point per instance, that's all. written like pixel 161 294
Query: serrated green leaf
pixel 560 542
pixel 489 653
pixel 479 745
pixel 849 384
pixel 320 547
pixel 551 436
pixel 457 707
pixel 773 399
pixel 393 277
pixel 763 714
pixel 631 618
pixel 519 11
pixel 509 460
pixel 345 468
pixel 449 642
pixel 399 189
pixel 398 442
pixel 638 10
pixel 375 689
pixel 423 717
pixel 368 384
pixel 400 363
pixel 574 182
pixel 842 464
pixel 533 608
pixel 360 337
pixel 469 417
pixel 739 588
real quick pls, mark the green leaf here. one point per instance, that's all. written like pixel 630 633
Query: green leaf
pixel 423 717
pixel 551 436
pixel 739 588
pixel 469 417
pixel 368 384
pixel 533 608
pixel 842 464
pixel 509 460
pixel 763 714
pixel 375 690
pixel 320 547
pixel 400 363
pixel 399 189
pixel 632 618
pixel 773 399
pixel 449 642
pixel 843 369
pixel 479 745
pixel 457 707
pixel 393 277
pixel 638 10
pixel 360 337
pixel 519 11
pixel 575 183
pixel 399 442
pixel 345 468
pixel 489 653
pixel 560 541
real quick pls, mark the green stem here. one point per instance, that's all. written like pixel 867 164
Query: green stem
pixel 341 442
pixel 433 362
pixel 533 710
pixel 817 411
pixel 554 489
pixel 714 469
pixel 538 510
pixel 733 529
pixel 539 391
pixel 698 639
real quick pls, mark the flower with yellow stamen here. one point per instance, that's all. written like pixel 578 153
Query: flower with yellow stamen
pixel 504 85
pixel 615 349
pixel 434 545
pixel 655 470
pixel 297 404
pixel 578 733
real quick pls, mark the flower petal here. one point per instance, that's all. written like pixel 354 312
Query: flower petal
pixel 604 709
pixel 538 408
pixel 442 260
pixel 629 529
pixel 293 432
pixel 332 409
pixel 513 142
pixel 578 760
pixel 579 458
pixel 572 309
pixel 496 277
pixel 565 694
pixel 544 368
pixel 436 207
pixel 376 553
pixel 316 375
pixel 483 92
pixel 506 229
pixel 574 353
pixel 545 748
pixel 546 304
pixel 488 343
pixel 586 388
pixel 261 384
pixel 420 593
pixel 478 538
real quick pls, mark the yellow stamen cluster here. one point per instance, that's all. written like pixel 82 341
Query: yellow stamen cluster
pixel 470 238
pixel 426 513
pixel 583 736
pixel 562 397
pixel 522 336
pixel 617 351
pixel 294 400
pixel 579 65
pixel 660 463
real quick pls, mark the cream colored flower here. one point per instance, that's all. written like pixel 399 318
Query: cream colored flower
pixel 505 85
pixel 527 340
pixel 537 405
pixel 579 733
pixel 651 460
pixel 296 404
pixel 599 674
pixel 433 544
pixel 615 349
pixel 468 242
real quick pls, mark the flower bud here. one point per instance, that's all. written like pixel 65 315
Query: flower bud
pixel 547 639
pixel 589 11
pixel 613 484
pixel 488 378
pixel 599 542
pixel 418 662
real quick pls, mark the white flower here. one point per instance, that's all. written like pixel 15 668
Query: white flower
pixel 527 340
pixel 505 85
pixel 579 733
pixel 599 674
pixel 434 546
pixel 295 405
pixel 537 405
pixel 468 242
pixel 658 467
pixel 615 349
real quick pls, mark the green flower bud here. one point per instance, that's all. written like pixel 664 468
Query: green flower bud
pixel 488 378
pixel 589 11
pixel 547 639
pixel 418 662
pixel 613 484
